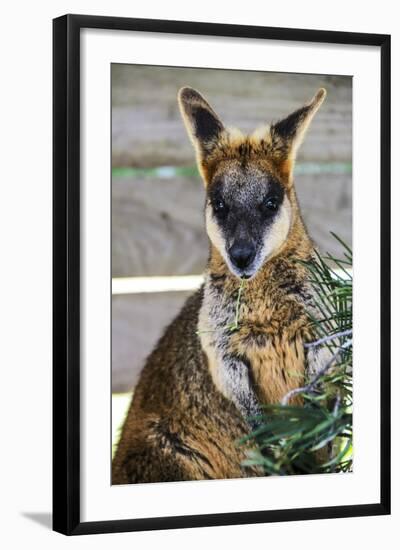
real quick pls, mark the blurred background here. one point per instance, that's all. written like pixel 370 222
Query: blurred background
pixel 159 244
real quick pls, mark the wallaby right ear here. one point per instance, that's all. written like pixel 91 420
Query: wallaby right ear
pixel 202 123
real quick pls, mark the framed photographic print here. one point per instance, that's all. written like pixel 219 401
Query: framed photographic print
pixel 217 189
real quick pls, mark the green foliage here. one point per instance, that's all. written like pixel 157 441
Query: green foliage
pixel 316 437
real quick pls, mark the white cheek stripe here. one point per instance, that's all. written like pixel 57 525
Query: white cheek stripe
pixel 215 234
pixel 276 234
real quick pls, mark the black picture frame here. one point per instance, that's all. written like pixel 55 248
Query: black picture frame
pixel 66 273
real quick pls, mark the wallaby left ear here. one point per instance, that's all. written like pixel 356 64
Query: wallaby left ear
pixel 202 123
pixel 291 130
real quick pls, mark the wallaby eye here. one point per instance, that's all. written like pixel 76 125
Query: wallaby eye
pixel 219 206
pixel 271 204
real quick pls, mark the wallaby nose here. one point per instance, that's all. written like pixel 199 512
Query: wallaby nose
pixel 242 254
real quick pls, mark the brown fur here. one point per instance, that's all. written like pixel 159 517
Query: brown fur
pixel 190 404
pixel 179 427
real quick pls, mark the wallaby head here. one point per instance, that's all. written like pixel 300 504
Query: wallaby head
pixel 251 203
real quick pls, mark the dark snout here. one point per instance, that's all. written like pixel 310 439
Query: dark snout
pixel 242 254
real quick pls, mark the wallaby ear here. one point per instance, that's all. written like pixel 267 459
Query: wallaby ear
pixel 291 130
pixel 202 123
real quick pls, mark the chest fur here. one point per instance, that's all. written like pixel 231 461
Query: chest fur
pixel 264 351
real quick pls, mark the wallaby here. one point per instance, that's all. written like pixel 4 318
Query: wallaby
pixel 208 376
